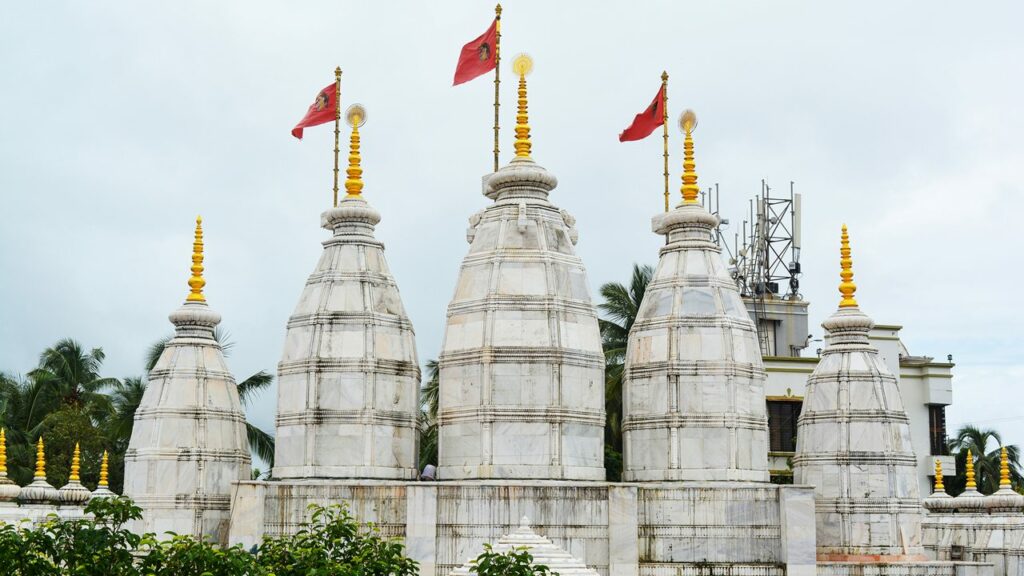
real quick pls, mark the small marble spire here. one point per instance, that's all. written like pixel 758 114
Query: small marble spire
pixel 939 499
pixel 847 288
pixel 522 65
pixel 356 117
pixel 690 190
pixel 971 484
pixel 8 490
pixel 196 282
pixel 73 493
pixel 1006 499
pixel 39 491
pixel 102 487
pixel 1004 469
pixel 939 487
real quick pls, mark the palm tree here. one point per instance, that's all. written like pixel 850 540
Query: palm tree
pixel 69 376
pixel 619 309
pixel 985 445
pixel 428 415
pixel 260 442
pixel 126 397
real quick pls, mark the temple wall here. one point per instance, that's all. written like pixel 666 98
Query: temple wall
pixel 617 529
pixel 997 539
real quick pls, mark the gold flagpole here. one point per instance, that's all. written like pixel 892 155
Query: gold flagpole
pixel 337 124
pixel 497 77
pixel 664 121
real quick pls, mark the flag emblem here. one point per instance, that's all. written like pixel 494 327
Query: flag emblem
pixel 485 52
pixel 321 101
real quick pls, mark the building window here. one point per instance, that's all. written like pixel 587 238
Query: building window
pixel 937 429
pixel 766 337
pixel 782 419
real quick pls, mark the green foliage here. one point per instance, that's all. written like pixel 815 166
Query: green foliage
pixel 332 542
pixel 428 415
pixel 61 430
pixel 514 562
pixel 618 311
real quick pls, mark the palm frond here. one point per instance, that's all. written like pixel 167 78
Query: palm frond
pixel 252 386
pixel 260 442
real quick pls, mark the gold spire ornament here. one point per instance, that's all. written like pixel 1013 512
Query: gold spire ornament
pixel 3 452
pixel 75 465
pixel 971 484
pixel 103 471
pixel 196 282
pixel 687 122
pixel 939 487
pixel 1004 469
pixel 355 116
pixel 522 65
pixel 847 288
pixel 40 460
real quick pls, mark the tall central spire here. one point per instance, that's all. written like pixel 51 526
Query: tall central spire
pixel 688 121
pixel 847 288
pixel 522 66
pixel 196 282
pixel 356 117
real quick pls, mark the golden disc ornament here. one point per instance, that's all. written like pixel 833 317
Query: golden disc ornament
pixel 355 115
pixel 522 64
pixel 688 121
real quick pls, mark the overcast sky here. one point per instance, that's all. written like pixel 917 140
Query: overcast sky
pixel 120 121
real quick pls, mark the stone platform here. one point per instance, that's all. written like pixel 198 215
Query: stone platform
pixel 618 529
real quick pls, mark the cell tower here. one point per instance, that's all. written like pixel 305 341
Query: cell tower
pixel 767 259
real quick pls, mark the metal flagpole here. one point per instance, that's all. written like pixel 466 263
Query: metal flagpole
pixel 664 121
pixel 337 130
pixel 497 77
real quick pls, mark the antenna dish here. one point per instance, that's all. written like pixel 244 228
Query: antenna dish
pixel 688 120
pixel 355 115
pixel 522 64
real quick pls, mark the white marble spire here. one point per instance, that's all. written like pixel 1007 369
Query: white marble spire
pixel 348 379
pixel 522 369
pixel 543 551
pixel 853 445
pixel 693 387
pixel 189 441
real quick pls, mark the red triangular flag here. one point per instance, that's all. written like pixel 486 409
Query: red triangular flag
pixel 477 57
pixel 321 111
pixel 646 121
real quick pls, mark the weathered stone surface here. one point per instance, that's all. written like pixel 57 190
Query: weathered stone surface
pixel 348 379
pixel 522 369
pixel 854 446
pixel 693 389
pixel 188 443
pixel 542 551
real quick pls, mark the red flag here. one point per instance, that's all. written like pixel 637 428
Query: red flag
pixel 646 121
pixel 323 110
pixel 477 57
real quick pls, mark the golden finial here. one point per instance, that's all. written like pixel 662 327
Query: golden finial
pixel 847 288
pixel 40 460
pixel 939 487
pixel 687 122
pixel 971 484
pixel 3 452
pixel 75 467
pixel 103 470
pixel 356 117
pixel 1004 468
pixel 196 282
pixel 522 65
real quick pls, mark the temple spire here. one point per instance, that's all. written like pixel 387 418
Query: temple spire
pixel 687 122
pixel 939 486
pixel 3 452
pixel 356 117
pixel 40 460
pixel 847 288
pixel 196 282
pixel 522 65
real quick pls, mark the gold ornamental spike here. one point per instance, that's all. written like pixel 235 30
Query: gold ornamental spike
pixel 522 65
pixel 971 484
pixel 847 288
pixel 196 282
pixel 690 190
pixel 1004 469
pixel 939 487
pixel 75 465
pixel 103 470
pixel 356 117
pixel 40 460
pixel 3 452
